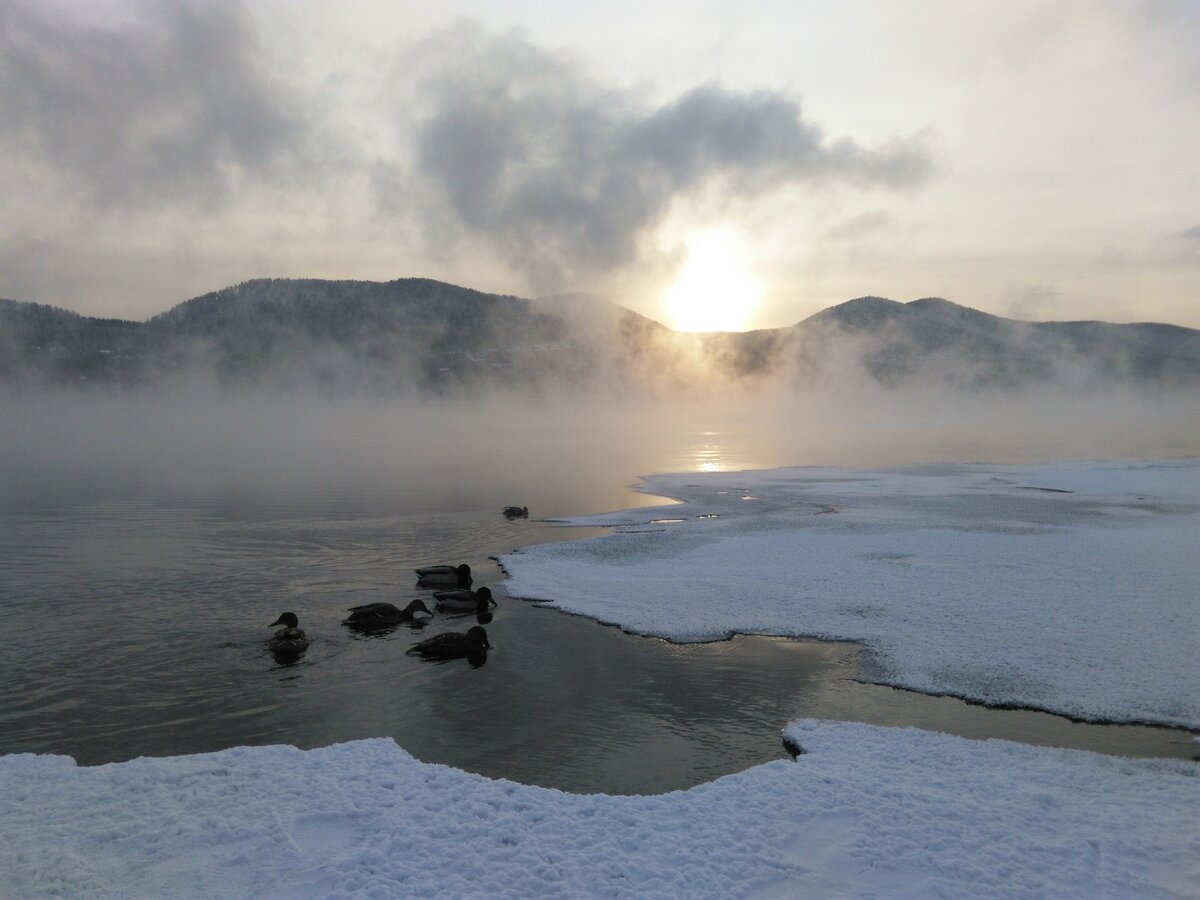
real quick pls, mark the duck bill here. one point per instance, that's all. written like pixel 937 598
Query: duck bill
pixel 278 621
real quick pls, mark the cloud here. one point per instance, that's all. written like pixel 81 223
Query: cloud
pixel 1191 234
pixel 563 176
pixel 133 127
pixel 860 226
pixel 167 104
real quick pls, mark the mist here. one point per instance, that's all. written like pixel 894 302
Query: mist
pixel 416 389
pixel 551 454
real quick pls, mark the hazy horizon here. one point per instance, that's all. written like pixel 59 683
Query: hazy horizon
pixel 191 440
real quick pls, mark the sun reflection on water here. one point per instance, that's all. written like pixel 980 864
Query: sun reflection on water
pixel 728 450
pixel 710 454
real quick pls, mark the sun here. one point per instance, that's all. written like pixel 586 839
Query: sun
pixel 713 290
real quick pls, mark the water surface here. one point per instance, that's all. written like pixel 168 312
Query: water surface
pixel 137 627
pixel 146 546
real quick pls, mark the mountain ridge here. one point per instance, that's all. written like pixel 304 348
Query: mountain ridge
pixel 440 338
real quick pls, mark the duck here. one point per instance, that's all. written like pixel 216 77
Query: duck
pixel 375 615
pixel 464 600
pixel 289 639
pixel 453 644
pixel 458 576
pixel 516 512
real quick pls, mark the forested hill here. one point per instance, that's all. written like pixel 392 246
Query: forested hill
pixel 420 335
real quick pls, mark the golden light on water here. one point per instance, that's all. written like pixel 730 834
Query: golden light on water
pixel 714 290
pixel 709 454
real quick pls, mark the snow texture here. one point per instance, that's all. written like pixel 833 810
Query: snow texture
pixel 866 811
pixel 1070 588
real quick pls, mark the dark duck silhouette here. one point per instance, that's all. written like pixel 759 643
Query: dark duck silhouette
pixel 381 615
pixel 453 644
pixel 464 600
pixel 290 639
pixel 516 512
pixel 453 576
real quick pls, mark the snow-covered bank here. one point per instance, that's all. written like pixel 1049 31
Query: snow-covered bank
pixel 867 811
pixel 1072 588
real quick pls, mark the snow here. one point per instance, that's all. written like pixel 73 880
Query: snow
pixel 866 811
pixel 1070 588
pixel 1081 601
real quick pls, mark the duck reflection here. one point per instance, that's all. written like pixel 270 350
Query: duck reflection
pixel 285 660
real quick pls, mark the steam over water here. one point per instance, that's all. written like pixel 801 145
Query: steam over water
pixel 148 543
pixel 559 452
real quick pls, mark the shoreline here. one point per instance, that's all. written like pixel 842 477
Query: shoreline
pixel 595 583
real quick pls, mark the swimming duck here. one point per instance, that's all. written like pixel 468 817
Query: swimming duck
pixel 516 512
pixel 459 576
pixel 376 615
pixel 453 644
pixel 464 600
pixel 290 638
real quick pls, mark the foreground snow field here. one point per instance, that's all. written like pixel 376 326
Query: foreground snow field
pixel 1068 587
pixel 867 811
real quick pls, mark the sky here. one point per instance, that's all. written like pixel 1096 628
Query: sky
pixel 711 165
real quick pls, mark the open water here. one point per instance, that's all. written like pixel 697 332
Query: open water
pixel 135 621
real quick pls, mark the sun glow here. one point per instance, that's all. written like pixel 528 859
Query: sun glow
pixel 713 290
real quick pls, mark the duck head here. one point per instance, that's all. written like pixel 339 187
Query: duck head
pixel 484 596
pixel 287 619
pixel 464 574
pixel 478 636
pixel 417 606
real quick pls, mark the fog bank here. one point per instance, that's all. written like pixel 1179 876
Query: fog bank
pixel 500 450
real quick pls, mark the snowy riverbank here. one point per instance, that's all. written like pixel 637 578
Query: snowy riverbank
pixel 1068 587
pixel 866 811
